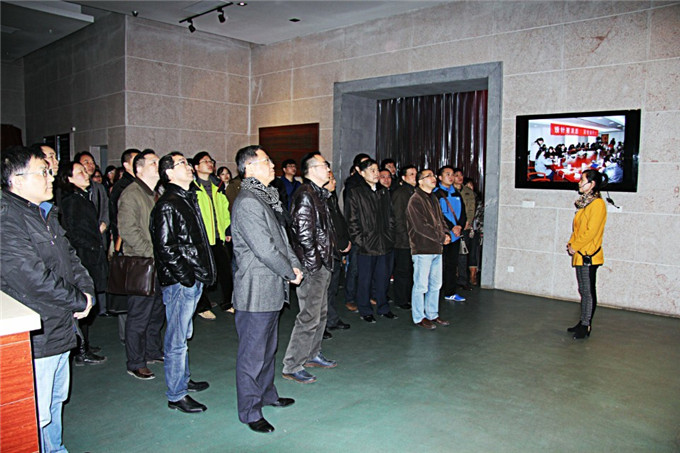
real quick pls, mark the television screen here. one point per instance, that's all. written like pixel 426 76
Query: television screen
pixel 552 150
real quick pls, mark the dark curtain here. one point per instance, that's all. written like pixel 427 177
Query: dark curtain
pixel 432 131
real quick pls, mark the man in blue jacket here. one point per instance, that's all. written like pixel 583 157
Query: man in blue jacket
pixel 40 269
pixel 453 208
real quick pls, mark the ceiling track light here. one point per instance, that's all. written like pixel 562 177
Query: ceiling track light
pixel 220 10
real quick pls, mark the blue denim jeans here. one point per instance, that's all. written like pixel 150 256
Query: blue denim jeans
pixel 180 304
pixel 52 378
pixel 427 281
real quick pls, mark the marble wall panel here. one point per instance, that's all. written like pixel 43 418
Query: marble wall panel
pixel 162 140
pixel 312 81
pixel 527 51
pixel 622 235
pixel 202 84
pixel 203 116
pixel 658 188
pixel 527 229
pixel 612 87
pixel 191 142
pixel 597 42
pixel 237 118
pixel 663 85
pixel 656 288
pixel 153 41
pixel 313 110
pixel 508 147
pixel 80 86
pixel 107 78
pixel 452 21
pixel 376 66
pixel 529 266
pixel 116 141
pixel 238 89
pixel 238 58
pixel 665 29
pixel 326 143
pixel 149 76
pixel 203 51
pixel 276 114
pixel 587 10
pixel 115 109
pixel 379 36
pixel 520 15
pixel 451 54
pixel 660 141
pixel 272 87
pixel 272 58
pixel 533 93
pixel 658 243
pixel 152 110
pixel 319 48
pixel 234 142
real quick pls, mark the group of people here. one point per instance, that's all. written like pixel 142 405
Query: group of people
pixel 258 236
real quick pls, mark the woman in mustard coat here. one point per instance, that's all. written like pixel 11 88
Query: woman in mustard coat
pixel 585 245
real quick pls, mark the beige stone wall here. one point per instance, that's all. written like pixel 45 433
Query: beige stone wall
pixel 186 91
pixel 78 82
pixel 557 57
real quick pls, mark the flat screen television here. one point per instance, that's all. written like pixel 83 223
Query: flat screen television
pixel 552 150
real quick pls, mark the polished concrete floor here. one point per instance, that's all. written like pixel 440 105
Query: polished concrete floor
pixel 505 376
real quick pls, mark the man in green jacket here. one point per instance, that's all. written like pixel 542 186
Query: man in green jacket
pixel 215 214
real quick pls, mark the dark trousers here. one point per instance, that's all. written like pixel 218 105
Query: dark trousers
pixel 586 276
pixel 143 339
pixel 222 253
pixel 374 278
pixel 351 276
pixel 450 256
pixel 332 317
pixel 257 339
pixel 403 276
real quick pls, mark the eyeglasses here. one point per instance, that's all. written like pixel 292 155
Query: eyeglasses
pixel 268 160
pixel 206 161
pixel 325 164
pixel 426 176
pixel 44 172
pixel 181 162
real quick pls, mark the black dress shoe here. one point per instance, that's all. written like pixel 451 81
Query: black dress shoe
pixel 261 426
pixel 575 328
pixel 339 326
pixel 327 335
pixel 405 306
pixel 582 332
pixel 197 386
pixel 389 315
pixel 188 405
pixel 369 319
pixel 283 402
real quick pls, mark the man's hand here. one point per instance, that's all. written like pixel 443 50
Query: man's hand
pixel 298 276
pixel 447 240
pixel 457 230
pixel 349 246
pixel 102 227
pixel 227 239
pixel 84 313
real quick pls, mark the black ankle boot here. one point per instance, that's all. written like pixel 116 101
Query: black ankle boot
pixel 582 332
pixel 573 329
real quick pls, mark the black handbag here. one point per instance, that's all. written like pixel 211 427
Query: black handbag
pixel 131 275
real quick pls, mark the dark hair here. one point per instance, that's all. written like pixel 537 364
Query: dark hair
pixel 387 161
pixel 467 180
pixel 221 169
pixel 65 173
pixel 167 163
pixel 304 163
pixel 441 170
pixel 80 155
pixel 197 158
pixel 16 159
pixel 128 155
pixel 358 158
pixel 140 160
pixel 405 168
pixel 109 169
pixel 243 155
pixel 288 162
pixel 456 170
pixel 594 176
pixel 367 163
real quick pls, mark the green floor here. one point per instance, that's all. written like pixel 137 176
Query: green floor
pixel 505 376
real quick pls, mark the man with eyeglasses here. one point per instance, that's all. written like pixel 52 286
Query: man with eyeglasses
pixel 314 242
pixel 185 265
pixel 264 265
pixel 40 269
pixel 216 219
pixel 427 233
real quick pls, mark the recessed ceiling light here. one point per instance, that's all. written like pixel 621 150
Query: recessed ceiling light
pixel 294 19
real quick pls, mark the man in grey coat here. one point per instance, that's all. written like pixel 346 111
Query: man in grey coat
pixel 264 264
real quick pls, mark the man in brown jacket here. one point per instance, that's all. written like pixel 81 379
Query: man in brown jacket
pixel 427 232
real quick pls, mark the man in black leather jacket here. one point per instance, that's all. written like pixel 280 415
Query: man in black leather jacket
pixel 40 269
pixel 185 264
pixel 314 242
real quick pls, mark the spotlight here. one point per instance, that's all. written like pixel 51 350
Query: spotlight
pixel 221 17
pixel 191 26
pixel 241 3
pixel 135 13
